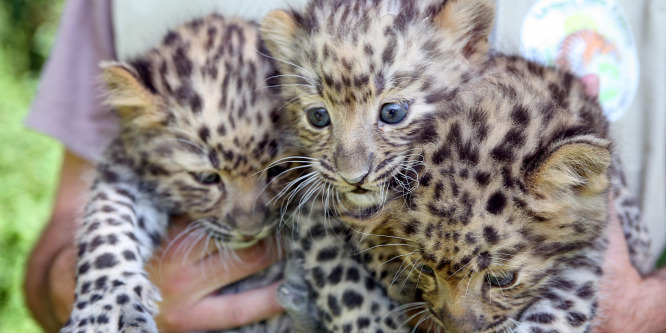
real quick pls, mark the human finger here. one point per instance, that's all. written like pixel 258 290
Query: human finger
pixel 218 312
pixel 591 83
pixel 193 281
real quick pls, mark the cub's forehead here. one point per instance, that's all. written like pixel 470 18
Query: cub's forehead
pixel 341 17
pixel 212 67
pixel 212 76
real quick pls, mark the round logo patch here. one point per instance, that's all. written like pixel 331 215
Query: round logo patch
pixel 586 37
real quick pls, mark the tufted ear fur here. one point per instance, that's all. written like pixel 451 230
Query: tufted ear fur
pixel 576 166
pixel 278 30
pixel 469 22
pixel 134 103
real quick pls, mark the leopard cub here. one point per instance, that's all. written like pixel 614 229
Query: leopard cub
pixel 363 77
pixel 507 229
pixel 196 129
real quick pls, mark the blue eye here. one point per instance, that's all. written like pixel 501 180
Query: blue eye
pixel 318 117
pixel 393 113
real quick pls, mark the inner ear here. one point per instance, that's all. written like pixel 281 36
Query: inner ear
pixel 133 100
pixel 469 22
pixel 577 167
pixel 278 29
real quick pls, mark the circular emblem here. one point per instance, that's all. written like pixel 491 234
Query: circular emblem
pixel 586 37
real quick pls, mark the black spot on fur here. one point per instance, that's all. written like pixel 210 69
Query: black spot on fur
pixel 122 299
pixel 100 283
pixel 576 319
pixel 351 299
pixel 129 255
pixel 482 178
pixel 411 227
pixel 106 260
pixel 496 203
pixel 353 274
pixel 541 318
pixel 334 306
pixel 84 268
pixel 490 235
pixel 586 291
pixel 336 275
pixel 327 254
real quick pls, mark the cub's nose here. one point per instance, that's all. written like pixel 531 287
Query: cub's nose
pixel 354 181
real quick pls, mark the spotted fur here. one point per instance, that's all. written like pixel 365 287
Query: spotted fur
pixel 352 58
pixel 507 229
pixel 483 181
pixel 196 128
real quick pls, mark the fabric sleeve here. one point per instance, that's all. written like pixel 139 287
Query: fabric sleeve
pixel 68 104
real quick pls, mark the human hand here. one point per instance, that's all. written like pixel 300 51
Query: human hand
pixel 189 301
pixel 628 302
pixel 188 280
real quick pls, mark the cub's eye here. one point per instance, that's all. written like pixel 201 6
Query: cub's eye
pixel 426 269
pixel 275 171
pixel 503 279
pixel 393 113
pixel 207 178
pixel 318 117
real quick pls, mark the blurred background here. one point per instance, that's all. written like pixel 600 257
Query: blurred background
pixel 28 160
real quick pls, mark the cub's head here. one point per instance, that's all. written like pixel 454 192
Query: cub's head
pixel 199 126
pixel 510 213
pixel 361 79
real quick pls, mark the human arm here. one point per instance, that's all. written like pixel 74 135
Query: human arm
pixel 187 301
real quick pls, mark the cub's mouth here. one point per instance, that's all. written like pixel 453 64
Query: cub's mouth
pixel 236 241
pixel 361 198
pixel 360 190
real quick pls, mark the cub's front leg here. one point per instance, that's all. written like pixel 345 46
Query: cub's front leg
pixel 120 230
pixel 347 294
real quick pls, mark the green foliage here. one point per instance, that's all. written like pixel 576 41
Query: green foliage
pixel 28 161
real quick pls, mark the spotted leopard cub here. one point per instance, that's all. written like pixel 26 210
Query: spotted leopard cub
pixel 196 128
pixel 364 76
pixel 506 231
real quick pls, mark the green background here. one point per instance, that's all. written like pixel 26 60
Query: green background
pixel 28 161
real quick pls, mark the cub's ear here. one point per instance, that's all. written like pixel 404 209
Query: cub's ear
pixel 278 30
pixel 134 102
pixel 577 167
pixel 469 22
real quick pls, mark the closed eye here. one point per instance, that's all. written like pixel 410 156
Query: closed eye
pixel 501 280
pixel 207 178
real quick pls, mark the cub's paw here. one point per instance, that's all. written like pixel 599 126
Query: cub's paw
pixel 293 298
pixel 111 307
pixel 294 295
pixel 136 320
pixel 111 318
